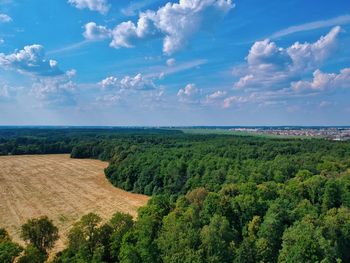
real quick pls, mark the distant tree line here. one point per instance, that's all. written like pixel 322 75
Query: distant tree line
pixel 218 198
pixel 19 141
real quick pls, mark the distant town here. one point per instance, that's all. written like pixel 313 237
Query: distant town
pixel 331 133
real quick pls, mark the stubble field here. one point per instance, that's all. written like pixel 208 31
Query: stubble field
pixel 62 188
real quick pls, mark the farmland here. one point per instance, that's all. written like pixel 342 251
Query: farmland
pixel 62 188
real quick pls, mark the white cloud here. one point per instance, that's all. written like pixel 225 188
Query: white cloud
pixel 189 94
pixel 337 21
pixel 5 18
pixel 244 81
pixel 269 66
pixel 71 73
pixel 50 84
pixel 138 82
pixel 308 56
pixel 7 93
pixel 109 99
pixel 129 90
pixel 55 90
pixel 101 6
pixel 318 85
pixel 324 81
pixel 4 91
pixel 95 32
pixel 109 82
pixel 234 100
pixel 171 62
pixel 32 60
pixel 176 23
pixel 124 34
pixel 216 95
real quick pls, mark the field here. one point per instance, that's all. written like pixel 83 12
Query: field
pixel 62 188
pixel 242 133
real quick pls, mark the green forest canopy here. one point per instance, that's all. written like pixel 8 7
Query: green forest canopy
pixel 215 198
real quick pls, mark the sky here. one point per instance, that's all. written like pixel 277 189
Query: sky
pixel 178 63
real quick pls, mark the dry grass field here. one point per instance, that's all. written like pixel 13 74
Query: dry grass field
pixel 62 188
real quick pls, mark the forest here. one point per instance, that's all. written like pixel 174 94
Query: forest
pixel 215 198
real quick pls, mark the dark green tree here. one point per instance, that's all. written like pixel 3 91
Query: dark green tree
pixel 41 233
pixel 32 255
pixel 8 250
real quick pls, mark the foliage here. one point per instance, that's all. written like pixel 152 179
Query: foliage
pixel 32 255
pixel 41 233
pixel 8 249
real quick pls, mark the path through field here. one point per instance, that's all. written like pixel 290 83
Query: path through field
pixel 62 188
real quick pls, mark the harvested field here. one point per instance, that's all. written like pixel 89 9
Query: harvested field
pixel 62 188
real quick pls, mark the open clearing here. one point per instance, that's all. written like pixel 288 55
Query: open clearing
pixel 62 188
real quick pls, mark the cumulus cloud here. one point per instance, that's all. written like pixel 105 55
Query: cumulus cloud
pixel 324 81
pixel 189 94
pixel 216 95
pixel 234 100
pixel 275 76
pixel 308 56
pixel 101 6
pixel 50 83
pixel 130 89
pixel 32 60
pixel 270 66
pixel 126 33
pixel 109 82
pixel 176 23
pixel 138 82
pixel 95 32
pixel 56 90
pixel 5 18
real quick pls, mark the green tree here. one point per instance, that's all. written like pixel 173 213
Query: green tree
pixel 84 238
pixel 141 243
pixel 40 232
pixel 4 236
pixel 32 255
pixel 217 240
pixel 332 195
pixel 336 228
pixel 304 242
pixel 120 225
pixel 8 249
pixel 179 237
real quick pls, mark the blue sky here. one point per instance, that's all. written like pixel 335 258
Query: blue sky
pixel 188 62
